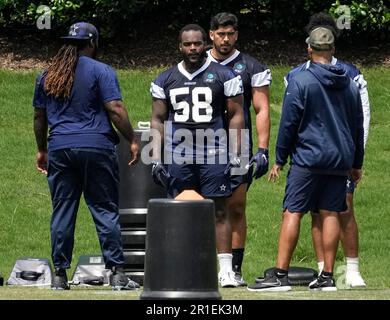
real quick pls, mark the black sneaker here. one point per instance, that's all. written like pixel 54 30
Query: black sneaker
pixel 60 280
pixel 271 283
pixel 120 281
pixel 323 284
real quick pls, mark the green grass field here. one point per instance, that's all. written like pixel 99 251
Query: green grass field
pixel 25 206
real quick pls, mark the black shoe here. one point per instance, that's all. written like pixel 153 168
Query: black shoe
pixel 60 280
pixel 120 281
pixel 323 284
pixel 271 283
pixel 259 279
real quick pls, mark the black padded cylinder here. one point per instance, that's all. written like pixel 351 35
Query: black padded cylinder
pixel 181 259
pixel 136 185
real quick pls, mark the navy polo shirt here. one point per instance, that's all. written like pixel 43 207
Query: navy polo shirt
pixel 81 120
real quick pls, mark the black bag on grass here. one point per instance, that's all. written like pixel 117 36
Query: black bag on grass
pixel 30 272
pixel 297 276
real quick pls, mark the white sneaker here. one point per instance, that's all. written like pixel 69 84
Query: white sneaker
pixel 240 280
pixel 353 279
pixel 227 280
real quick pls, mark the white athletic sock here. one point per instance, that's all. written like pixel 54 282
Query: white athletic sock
pixel 352 264
pixel 225 262
pixel 320 265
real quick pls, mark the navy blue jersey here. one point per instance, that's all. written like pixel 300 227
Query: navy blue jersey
pixel 82 120
pixel 196 102
pixel 253 73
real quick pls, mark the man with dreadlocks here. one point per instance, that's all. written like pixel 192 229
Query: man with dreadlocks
pixel 349 228
pixel 77 98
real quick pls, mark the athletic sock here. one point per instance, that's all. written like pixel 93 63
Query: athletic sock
pixel 238 256
pixel 280 273
pixel 320 265
pixel 352 264
pixel 225 262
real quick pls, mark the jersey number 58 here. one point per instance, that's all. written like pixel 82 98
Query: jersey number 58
pixel 183 108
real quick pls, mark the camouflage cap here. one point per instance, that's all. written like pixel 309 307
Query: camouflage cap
pixel 321 39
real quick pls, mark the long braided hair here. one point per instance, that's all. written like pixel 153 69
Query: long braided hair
pixel 60 74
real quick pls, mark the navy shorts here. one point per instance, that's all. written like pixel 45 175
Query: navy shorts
pixel 308 191
pixel 237 180
pixel 207 179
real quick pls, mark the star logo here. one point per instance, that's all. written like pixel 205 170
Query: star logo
pixel 72 31
pixel 223 188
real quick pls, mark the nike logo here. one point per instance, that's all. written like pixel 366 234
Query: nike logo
pixel 273 284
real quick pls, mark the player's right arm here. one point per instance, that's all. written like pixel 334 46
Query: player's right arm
pixel 159 116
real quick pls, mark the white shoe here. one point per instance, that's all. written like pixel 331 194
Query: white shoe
pixel 240 280
pixel 353 279
pixel 227 280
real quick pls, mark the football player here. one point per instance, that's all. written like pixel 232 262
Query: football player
pixel 194 102
pixel 256 79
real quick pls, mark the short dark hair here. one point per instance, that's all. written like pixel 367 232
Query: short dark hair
pixel 223 19
pixel 193 27
pixel 322 19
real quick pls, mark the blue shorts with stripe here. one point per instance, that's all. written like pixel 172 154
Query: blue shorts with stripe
pixel 237 180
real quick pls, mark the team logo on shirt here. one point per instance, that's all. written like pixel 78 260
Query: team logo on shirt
pixel 209 77
pixel 239 67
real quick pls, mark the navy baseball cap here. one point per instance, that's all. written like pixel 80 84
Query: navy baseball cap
pixel 82 31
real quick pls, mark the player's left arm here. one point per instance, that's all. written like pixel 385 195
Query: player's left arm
pixel 260 98
pixel 261 79
pixel 159 116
